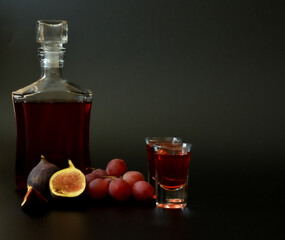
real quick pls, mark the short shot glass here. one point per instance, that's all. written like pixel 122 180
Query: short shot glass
pixel 150 141
pixel 171 173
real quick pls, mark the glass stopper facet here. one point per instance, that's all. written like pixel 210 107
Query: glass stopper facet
pixel 52 31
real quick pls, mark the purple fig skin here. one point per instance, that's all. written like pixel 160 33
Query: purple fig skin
pixel 40 175
pixel 34 201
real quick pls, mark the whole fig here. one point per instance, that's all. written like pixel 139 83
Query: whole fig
pixel 40 175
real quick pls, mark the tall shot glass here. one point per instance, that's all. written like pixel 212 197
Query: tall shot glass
pixel 150 141
pixel 171 172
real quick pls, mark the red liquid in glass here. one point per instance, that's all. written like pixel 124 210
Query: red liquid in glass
pixel 172 170
pixel 59 131
pixel 151 162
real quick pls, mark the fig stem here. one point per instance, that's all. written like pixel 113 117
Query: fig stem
pixel 43 158
pixel 70 163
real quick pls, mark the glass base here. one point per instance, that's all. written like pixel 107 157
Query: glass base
pixel 171 199
pixel 175 203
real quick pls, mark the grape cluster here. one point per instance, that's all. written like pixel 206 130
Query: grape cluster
pixel 118 183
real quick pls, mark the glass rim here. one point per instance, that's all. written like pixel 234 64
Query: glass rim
pixel 162 139
pixel 174 146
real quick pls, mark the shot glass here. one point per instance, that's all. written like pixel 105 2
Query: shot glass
pixel 171 173
pixel 150 141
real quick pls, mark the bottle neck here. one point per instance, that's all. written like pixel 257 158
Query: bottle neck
pixel 54 73
pixel 51 61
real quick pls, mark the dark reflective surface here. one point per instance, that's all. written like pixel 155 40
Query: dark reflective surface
pixel 219 216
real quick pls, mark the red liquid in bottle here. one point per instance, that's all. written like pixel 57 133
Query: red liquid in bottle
pixel 172 170
pixel 59 131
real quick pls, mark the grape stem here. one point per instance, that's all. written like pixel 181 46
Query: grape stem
pixel 112 177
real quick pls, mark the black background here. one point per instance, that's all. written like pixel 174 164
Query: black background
pixel 211 72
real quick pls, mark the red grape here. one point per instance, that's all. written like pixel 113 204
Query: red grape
pixel 100 172
pixel 90 177
pixel 119 189
pixel 116 167
pixel 98 188
pixel 133 176
pixel 97 173
pixel 142 191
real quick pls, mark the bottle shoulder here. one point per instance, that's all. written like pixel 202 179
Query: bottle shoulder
pixel 52 90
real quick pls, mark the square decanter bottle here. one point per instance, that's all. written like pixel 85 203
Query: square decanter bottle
pixel 52 114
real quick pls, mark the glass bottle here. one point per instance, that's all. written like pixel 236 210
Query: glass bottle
pixel 52 114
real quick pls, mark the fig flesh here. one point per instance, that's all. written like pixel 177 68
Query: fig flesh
pixel 69 182
pixel 39 176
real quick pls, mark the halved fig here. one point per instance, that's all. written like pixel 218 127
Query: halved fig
pixel 69 182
